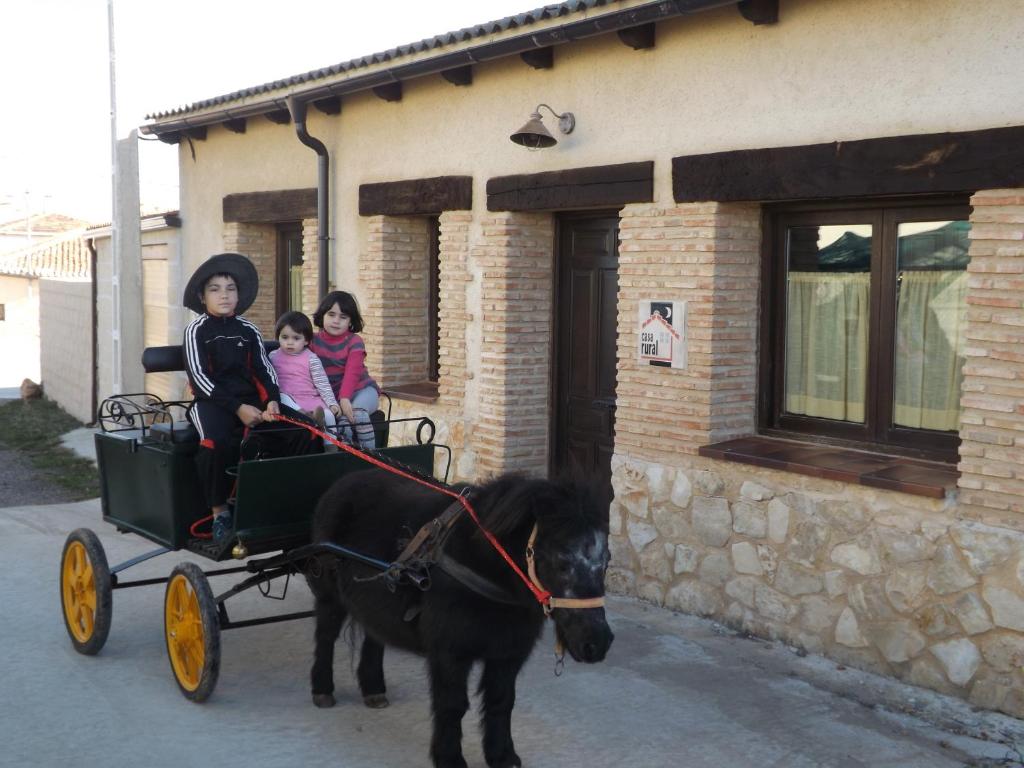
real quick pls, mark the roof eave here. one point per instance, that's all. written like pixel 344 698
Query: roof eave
pixel 592 26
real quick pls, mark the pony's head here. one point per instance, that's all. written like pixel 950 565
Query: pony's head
pixel 570 556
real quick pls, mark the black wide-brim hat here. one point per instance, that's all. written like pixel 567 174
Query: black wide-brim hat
pixel 235 264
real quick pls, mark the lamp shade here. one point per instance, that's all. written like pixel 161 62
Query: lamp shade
pixel 533 134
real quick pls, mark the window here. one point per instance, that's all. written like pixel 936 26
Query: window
pixel 865 321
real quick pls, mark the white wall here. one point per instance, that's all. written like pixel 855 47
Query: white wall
pixel 19 331
pixel 66 329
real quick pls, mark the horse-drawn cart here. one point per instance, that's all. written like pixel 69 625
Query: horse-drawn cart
pixel 150 487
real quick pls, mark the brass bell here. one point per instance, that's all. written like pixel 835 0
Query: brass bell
pixel 239 551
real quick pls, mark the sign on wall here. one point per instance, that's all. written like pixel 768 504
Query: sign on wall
pixel 662 333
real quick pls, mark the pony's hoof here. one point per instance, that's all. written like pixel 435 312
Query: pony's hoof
pixel 376 700
pixel 324 700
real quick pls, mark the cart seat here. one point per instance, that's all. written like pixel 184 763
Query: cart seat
pixel 181 432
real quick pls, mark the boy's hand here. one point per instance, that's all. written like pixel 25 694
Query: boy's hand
pixel 335 410
pixel 249 415
pixel 346 408
pixel 273 409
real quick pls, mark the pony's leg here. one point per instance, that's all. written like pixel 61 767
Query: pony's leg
pixel 329 618
pixel 370 674
pixel 498 686
pixel 449 702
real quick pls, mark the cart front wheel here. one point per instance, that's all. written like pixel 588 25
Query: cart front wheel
pixel 85 591
pixel 192 630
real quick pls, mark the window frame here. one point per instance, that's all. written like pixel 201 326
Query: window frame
pixel 878 433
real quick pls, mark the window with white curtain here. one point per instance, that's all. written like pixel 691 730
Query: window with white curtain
pixel 865 324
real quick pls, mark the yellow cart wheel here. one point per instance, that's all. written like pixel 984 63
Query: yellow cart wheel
pixel 192 631
pixel 85 591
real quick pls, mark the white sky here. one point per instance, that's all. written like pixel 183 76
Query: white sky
pixel 55 123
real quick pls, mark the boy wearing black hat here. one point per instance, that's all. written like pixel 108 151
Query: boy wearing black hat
pixel 235 385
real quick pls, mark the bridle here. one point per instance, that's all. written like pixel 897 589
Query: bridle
pixel 553 602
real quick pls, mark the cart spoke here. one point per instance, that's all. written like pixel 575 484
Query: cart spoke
pixel 85 620
pixel 89 600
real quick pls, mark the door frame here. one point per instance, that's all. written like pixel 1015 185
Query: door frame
pixel 556 264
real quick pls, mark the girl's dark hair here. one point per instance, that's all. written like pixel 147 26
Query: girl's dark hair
pixel 298 322
pixel 346 303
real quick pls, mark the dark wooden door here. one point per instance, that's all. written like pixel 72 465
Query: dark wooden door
pixel 588 261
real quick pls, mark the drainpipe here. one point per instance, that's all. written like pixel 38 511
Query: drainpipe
pixel 298 111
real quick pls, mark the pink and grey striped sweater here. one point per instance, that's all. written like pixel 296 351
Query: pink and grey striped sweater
pixel 343 358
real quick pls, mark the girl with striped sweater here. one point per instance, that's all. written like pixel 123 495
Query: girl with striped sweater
pixel 343 354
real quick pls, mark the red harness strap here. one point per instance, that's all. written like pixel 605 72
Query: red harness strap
pixel 541 595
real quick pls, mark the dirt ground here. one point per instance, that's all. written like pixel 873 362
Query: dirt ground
pixel 22 484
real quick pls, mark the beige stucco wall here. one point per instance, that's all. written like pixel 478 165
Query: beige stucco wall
pixel 845 69
pixel 66 330
pixel 19 332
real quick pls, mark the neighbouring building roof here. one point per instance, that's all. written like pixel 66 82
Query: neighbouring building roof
pixel 64 258
pixel 41 223
pixel 482 42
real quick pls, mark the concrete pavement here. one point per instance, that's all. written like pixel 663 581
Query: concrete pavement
pixel 674 691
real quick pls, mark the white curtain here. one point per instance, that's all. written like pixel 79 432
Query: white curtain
pixel 931 319
pixel 827 316
pixel 295 288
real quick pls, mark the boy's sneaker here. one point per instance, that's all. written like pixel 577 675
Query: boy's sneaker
pixel 222 526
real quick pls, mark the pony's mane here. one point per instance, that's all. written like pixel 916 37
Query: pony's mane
pixel 512 500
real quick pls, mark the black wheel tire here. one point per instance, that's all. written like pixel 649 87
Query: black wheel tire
pixel 192 632
pixel 86 594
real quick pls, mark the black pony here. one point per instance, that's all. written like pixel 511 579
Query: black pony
pixel 488 615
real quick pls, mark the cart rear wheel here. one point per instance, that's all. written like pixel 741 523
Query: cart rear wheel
pixel 192 630
pixel 85 591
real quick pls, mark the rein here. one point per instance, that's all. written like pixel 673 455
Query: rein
pixel 540 594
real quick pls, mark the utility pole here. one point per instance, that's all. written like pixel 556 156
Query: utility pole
pixel 115 238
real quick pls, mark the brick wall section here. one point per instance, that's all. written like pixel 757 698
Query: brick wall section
pixel 310 267
pixel 992 421
pixel 515 255
pixel 453 313
pixel 259 243
pixel 394 300
pixel 66 363
pixel 708 255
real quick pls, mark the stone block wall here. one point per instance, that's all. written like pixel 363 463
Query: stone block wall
pixel 708 255
pixel 259 243
pixel 992 452
pixel 515 256
pixel 394 300
pixel 882 581
pixel 66 345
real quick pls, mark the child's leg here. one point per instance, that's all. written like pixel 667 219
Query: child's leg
pixel 284 439
pixel 364 402
pixel 218 449
pixel 287 400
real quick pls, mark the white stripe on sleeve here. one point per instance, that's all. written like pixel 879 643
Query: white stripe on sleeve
pixel 194 359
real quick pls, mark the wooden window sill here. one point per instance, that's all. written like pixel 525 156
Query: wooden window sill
pixel 417 392
pixel 876 470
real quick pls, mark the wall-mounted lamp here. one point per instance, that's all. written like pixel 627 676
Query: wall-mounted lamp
pixel 534 135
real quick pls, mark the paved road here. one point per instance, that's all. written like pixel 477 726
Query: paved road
pixel 675 691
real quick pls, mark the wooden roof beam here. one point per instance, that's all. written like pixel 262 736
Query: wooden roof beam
pixel 759 11
pixel 389 91
pixel 539 58
pixel 235 124
pixel 279 116
pixel 459 75
pixel 639 37
pixel 198 133
pixel 329 106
